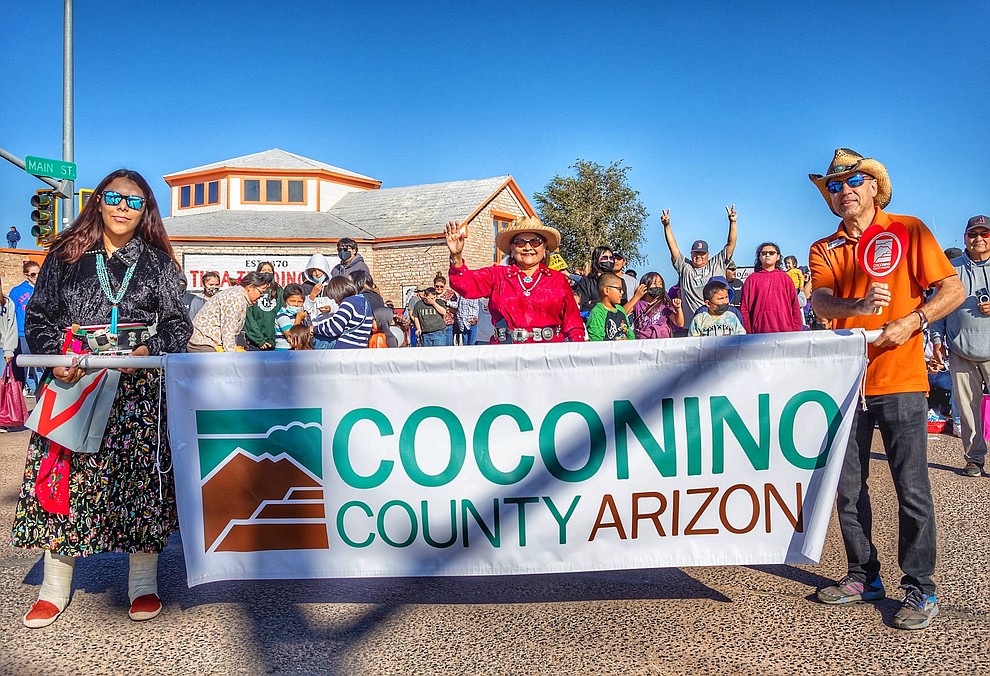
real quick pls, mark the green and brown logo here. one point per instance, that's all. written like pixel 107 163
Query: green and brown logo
pixel 261 472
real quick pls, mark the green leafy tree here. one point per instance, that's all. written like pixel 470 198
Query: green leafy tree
pixel 593 207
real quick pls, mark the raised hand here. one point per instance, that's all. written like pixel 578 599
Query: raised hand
pixel 455 235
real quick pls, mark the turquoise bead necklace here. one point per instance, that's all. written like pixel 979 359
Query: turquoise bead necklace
pixel 101 272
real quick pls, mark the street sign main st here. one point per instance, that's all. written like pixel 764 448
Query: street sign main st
pixel 41 166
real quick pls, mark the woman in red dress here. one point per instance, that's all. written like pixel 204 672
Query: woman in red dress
pixel 529 302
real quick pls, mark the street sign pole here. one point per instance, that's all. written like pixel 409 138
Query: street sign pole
pixel 61 187
pixel 68 130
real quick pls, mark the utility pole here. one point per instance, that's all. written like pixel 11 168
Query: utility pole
pixel 68 131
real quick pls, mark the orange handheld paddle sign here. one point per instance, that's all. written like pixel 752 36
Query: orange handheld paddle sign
pixel 880 250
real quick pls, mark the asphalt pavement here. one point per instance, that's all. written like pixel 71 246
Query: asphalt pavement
pixel 718 620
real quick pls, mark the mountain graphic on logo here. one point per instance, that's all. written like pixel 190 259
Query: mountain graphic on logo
pixel 262 480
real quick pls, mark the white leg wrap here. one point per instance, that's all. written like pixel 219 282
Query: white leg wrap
pixel 142 577
pixel 57 585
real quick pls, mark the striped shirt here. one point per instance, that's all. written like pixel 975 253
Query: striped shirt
pixel 349 326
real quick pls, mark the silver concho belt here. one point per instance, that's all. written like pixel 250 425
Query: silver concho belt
pixel 539 335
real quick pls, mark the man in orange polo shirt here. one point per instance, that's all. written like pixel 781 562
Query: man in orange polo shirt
pixel 883 288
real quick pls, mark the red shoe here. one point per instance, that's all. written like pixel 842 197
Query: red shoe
pixel 145 607
pixel 42 614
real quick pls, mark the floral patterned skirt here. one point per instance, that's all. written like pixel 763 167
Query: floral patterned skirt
pixel 121 498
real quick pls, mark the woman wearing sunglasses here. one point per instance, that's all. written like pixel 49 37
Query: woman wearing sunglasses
pixel 529 302
pixel 602 262
pixel 115 264
pixel 769 299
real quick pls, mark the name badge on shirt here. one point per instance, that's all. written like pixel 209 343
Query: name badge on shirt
pixel 835 243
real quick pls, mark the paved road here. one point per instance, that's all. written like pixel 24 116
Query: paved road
pixel 728 620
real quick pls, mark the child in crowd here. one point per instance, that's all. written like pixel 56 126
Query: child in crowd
pixel 300 337
pixel 608 320
pixel 715 319
pixel 289 315
pixel 349 327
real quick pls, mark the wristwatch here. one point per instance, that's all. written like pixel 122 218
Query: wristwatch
pixel 923 318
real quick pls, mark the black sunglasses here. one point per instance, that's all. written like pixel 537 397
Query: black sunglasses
pixel 113 198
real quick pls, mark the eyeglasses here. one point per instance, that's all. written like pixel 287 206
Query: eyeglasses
pixel 534 242
pixel 112 199
pixel 606 258
pixel 769 253
pixel 853 181
pixel 32 275
pixel 617 288
pixel 973 234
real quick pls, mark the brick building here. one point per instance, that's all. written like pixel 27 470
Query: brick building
pixel 277 206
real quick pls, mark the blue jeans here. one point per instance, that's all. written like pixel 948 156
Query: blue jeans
pixel 902 419
pixel 30 376
pixel 468 335
pixel 448 335
pixel 943 381
pixel 433 339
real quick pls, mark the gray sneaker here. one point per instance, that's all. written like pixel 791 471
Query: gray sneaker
pixel 972 469
pixel 851 590
pixel 917 610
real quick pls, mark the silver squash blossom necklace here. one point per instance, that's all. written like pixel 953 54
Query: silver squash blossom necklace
pixel 527 279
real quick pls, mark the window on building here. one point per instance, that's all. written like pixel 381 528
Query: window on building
pixel 499 223
pixel 273 190
pixel 199 194
pixel 276 191
pixel 252 190
pixel 296 192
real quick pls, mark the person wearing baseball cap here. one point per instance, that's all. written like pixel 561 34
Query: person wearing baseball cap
pixel 964 337
pixel 695 273
pixel 629 284
pixel 857 189
pixel 735 284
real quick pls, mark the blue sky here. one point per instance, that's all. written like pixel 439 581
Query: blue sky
pixel 709 103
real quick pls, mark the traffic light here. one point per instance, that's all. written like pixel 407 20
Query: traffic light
pixel 45 217
pixel 83 196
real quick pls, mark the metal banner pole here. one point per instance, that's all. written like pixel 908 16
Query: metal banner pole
pixel 90 361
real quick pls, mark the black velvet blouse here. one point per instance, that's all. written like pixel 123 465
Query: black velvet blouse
pixel 67 294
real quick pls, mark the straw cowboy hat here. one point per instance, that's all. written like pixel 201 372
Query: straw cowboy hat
pixel 527 224
pixel 847 162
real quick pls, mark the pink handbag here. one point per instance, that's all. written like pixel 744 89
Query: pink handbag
pixel 985 414
pixel 13 408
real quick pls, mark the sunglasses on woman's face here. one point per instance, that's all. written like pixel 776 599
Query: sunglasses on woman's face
pixel 113 198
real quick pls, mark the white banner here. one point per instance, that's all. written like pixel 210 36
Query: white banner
pixel 510 459
pixel 231 267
